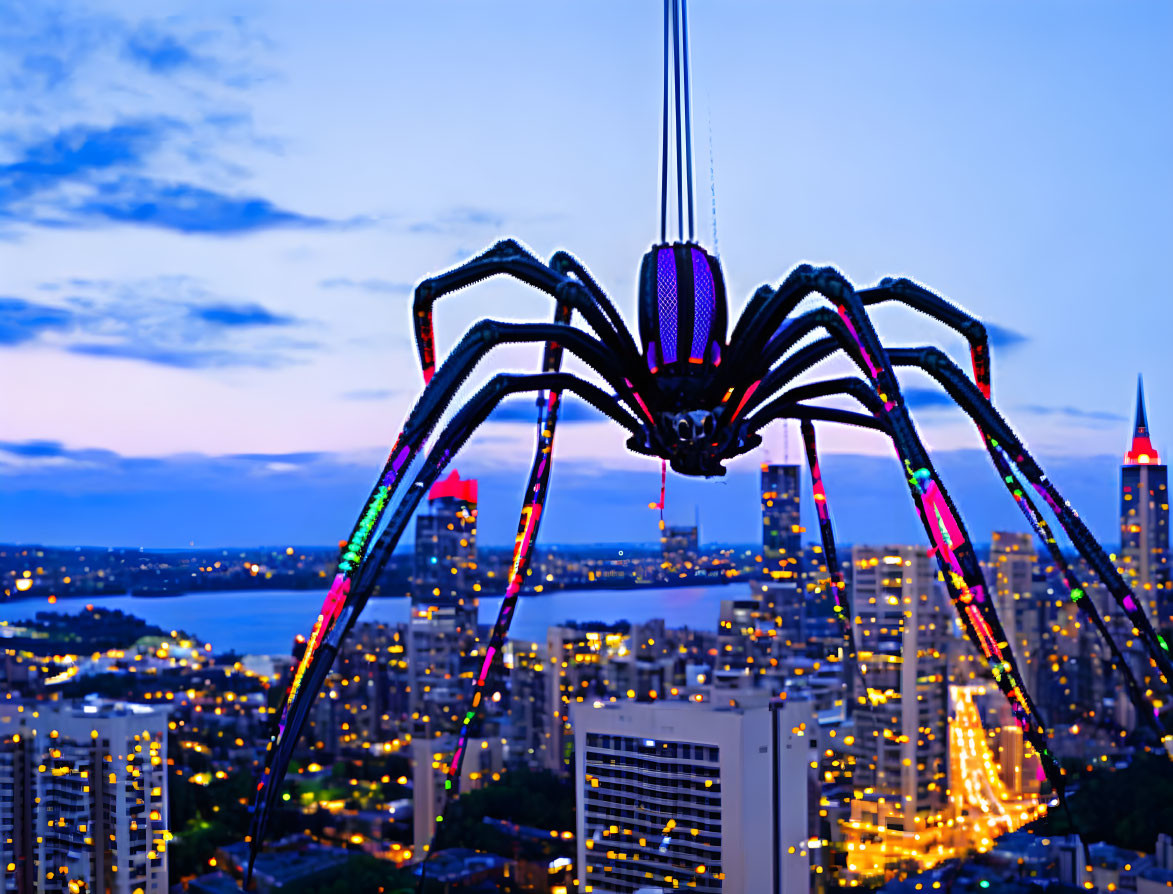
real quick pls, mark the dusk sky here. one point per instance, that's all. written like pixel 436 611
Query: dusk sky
pixel 212 217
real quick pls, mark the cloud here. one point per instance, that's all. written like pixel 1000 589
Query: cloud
pixel 384 286
pixel 185 208
pixel 168 321
pixel 239 315
pixel 87 175
pixel 159 52
pixel 369 394
pixel 55 450
pixel 1074 413
pixel 77 153
pixel 61 494
pixel 180 358
pixel 1001 337
pixel 572 411
pixel 927 398
pixel 459 220
pixel 21 321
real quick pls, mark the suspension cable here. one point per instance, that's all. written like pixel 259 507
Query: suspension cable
pixel 664 154
pixel 687 113
pixel 679 147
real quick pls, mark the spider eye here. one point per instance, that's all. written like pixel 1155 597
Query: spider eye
pixel 707 426
pixel 683 429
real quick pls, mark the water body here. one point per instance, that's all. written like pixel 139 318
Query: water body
pixel 266 621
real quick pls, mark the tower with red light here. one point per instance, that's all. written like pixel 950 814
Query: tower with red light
pixel 1144 519
pixel 445 586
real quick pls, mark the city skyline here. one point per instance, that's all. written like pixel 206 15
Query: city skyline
pixel 172 359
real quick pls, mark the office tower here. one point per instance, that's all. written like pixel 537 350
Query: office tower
pixel 696 796
pixel 530 714
pixel 781 526
pixel 1011 571
pixel 579 658
pixel 1144 520
pixel 901 619
pixel 678 548
pixel 443 622
pixel 88 784
pixel 743 645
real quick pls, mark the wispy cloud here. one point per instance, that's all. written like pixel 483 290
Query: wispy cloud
pixel 169 321
pixel 160 52
pixel 22 321
pixel 165 166
pixel 383 286
pixel 927 398
pixel 239 315
pixel 1074 413
pixel 458 221
pixel 185 208
pixel 570 412
pixel 369 394
pixel 1001 337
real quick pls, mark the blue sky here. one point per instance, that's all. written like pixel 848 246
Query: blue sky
pixel 212 216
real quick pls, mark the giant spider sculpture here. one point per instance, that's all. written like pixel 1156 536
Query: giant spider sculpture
pixel 694 396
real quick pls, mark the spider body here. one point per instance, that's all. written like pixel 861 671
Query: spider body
pixel 683 313
pixel 695 397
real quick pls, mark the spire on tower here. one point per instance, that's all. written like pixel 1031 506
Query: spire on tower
pixel 1142 453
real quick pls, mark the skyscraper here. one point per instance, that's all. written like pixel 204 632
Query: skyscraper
pixel 708 796
pixel 443 623
pixel 781 528
pixel 901 724
pixel 88 789
pixel 780 594
pixel 1144 519
pixel 1012 565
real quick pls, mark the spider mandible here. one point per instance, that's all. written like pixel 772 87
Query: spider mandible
pixel 694 397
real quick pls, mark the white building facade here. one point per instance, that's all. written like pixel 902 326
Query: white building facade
pixel 705 797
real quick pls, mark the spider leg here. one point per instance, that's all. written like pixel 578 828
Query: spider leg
pixel 1007 448
pixel 916 296
pixel 527 533
pixel 952 546
pixel 508 257
pixel 565 263
pixel 921 299
pixel 835 580
pixel 346 601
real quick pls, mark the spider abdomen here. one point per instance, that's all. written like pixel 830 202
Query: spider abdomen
pixel 682 308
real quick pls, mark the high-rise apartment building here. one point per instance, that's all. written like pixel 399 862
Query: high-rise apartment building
pixel 1011 572
pixel 579 660
pixel 781 526
pixel 1144 519
pixel 443 622
pixel 901 619
pixel 83 798
pixel 707 797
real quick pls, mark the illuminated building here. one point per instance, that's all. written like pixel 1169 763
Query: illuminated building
pixel 706 797
pixel 430 760
pixel 1011 565
pixel 443 622
pixel 782 594
pixel 529 706
pixel 1144 519
pixel 901 727
pixel 781 528
pixel 678 547
pixel 742 650
pixel 578 656
pixel 89 785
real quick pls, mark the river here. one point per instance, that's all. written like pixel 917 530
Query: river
pixel 266 621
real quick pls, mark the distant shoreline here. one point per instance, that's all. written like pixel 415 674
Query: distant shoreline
pixel 547 590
